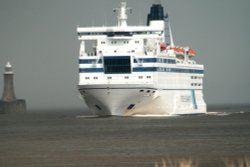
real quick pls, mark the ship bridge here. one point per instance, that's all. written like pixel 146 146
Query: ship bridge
pixel 110 39
pixel 122 39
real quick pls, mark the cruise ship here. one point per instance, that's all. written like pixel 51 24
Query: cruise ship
pixel 138 70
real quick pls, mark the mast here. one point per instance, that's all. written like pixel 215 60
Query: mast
pixel 122 16
pixel 171 36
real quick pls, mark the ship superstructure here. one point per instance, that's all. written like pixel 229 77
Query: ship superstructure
pixel 137 70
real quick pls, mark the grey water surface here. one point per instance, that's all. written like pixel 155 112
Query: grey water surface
pixel 68 138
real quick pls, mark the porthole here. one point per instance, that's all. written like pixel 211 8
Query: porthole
pixel 131 106
pixel 137 42
pixel 98 107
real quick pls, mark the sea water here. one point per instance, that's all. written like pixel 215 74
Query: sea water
pixel 72 139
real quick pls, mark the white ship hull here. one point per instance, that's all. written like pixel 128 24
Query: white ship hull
pixel 137 70
pixel 135 100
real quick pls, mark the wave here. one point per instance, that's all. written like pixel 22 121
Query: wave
pixel 226 113
pixel 241 162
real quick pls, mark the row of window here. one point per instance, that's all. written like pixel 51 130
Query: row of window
pixel 196 77
pixel 155 60
pixel 111 34
pixel 196 84
pixel 126 77
pixel 120 69
pixel 141 77
pixel 179 70
pixel 145 60
pixel 90 61
pixel 148 91
pixel 168 61
pixel 115 42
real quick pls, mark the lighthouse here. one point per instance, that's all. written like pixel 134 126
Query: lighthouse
pixel 9 103
pixel 8 91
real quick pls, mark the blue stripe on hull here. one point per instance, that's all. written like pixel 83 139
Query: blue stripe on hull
pixel 90 70
pixel 90 61
pixel 139 60
pixel 194 99
pixel 147 69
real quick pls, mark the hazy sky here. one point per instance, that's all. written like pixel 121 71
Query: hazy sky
pixel 39 38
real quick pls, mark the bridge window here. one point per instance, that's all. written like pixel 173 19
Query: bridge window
pixel 112 34
pixel 117 65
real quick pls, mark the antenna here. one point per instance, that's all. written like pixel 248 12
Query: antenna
pixel 140 17
pixel 105 23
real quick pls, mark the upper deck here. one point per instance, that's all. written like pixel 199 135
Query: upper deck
pixel 96 33
pixel 134 42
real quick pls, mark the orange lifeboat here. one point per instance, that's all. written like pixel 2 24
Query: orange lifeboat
pixel 181 51
pixel 177 50
pixel 163 46
pixel 191 52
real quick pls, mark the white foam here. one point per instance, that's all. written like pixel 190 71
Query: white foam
pixel 154 115
pixel 218 113
pixel 87 116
